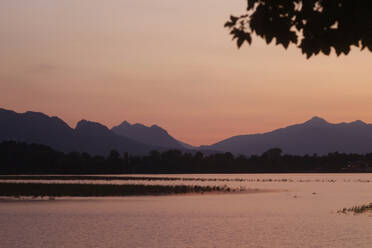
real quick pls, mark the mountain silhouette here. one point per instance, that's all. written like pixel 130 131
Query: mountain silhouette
pixel 34 127
pixel 313 136
pixel 96 138
pixel 91 137
pixel 153 135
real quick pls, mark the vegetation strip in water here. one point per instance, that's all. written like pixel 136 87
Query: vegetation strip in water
pixel 357 209
pixel 106 178
pixel 149 178
pixel 46 189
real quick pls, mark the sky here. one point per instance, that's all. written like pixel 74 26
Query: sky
pixel 170 63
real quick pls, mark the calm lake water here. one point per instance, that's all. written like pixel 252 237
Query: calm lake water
pixel 302 215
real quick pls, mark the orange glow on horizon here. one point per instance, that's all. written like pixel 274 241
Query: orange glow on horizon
pixel 171 63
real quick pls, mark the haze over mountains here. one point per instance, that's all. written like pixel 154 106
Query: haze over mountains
pixel 313 136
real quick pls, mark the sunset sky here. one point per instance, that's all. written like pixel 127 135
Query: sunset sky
pixel 168 62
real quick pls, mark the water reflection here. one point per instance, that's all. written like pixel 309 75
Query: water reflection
pixel 303 216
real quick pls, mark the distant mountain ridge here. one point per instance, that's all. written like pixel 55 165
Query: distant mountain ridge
pixel 91 137
pixel 313 136
pixel 153 135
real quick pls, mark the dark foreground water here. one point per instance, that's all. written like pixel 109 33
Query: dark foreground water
pixel 302 216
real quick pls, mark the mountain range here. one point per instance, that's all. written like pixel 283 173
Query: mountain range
pixel 90 137
pixel 313 136
pixel 153 135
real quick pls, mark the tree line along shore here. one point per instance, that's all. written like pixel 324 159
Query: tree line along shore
pixel 23 158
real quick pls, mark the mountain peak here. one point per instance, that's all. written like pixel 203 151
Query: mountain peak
pixel 34 114
pixel 90 126
pixel 316 120
pixel 358 122
pixel 151 135
pixel 139 125
pixel 125 123
pixel 156 127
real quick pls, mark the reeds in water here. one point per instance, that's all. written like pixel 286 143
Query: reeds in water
pixel 357 209
pixel 55 189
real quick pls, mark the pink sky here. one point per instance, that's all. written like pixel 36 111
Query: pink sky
pixel 171 63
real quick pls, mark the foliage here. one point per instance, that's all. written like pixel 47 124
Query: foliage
pixel 22 158
pixel 313 26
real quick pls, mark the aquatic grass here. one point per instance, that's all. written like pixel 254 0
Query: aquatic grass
pixel 58 190
pixel 155 178
pixel 357 209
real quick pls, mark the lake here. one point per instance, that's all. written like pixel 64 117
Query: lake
pixel 301 211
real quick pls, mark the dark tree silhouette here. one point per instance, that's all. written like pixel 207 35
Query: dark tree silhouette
pixel 23 158
pixel 312 25
pixel 273 154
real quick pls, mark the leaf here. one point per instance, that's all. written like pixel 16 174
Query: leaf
pixel 228 24
pixel 234 19
pixel 269 38
pixel 248 38
pixel 338 50
pixel 232 22
pixel 326 50
pixel 240 41
pixel 324 24
pixel 285 43
pixel 346 50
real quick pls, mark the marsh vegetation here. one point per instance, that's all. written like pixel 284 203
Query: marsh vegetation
pixel 151 178
pixel 357 209
pixel 60 189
